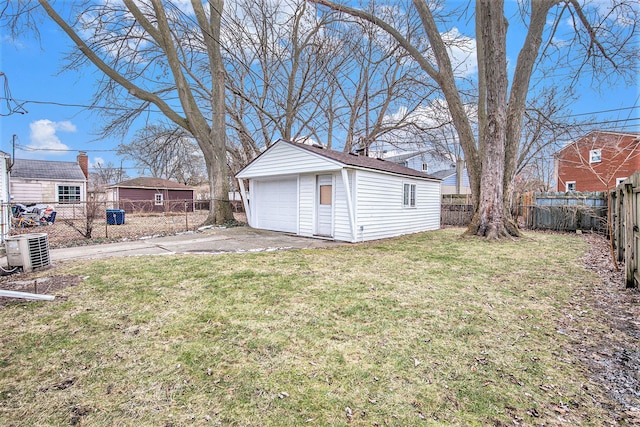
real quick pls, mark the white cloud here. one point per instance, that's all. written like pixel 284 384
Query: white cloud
pixel 44 137
pixel 97 162
pixel 462 51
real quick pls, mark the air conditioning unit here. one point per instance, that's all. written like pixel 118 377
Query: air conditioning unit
pixel 29 251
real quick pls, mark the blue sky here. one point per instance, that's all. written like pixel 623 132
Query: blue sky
pixel 31 68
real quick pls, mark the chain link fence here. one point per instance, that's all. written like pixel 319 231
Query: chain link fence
pixel 95 221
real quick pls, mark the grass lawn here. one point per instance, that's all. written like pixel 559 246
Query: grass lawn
pixel 427 329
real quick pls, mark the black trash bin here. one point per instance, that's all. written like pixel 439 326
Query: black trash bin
pixel 115 216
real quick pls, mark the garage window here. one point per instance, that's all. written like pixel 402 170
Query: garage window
pixel 409 196
pixel 159 199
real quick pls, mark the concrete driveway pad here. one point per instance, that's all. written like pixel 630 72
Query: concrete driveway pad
pixel 207 241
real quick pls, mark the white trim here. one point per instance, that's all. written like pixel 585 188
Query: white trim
pixel 245 201
pixel 566 186
pixel 595 156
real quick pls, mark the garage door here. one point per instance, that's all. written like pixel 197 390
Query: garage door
pixel 276 204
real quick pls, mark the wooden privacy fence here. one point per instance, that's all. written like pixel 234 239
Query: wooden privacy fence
pixel 565 211
pixel 456 209
pixel 625 215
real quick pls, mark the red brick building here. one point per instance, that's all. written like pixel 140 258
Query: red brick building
pixel 598 161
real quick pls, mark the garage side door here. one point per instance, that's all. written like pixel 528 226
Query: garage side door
pixel 276 204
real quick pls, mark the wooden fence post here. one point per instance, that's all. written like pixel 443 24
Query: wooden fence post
pixel 619 229
pixel 628 235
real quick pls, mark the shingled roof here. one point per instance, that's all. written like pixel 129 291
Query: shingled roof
pixel 363 161
pixel 47 170
pixel 155 183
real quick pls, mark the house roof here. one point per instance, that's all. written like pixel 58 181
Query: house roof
pixel 47 170
pixel 362 161
pixel 404 156
pixel 153 183
pixel 444 174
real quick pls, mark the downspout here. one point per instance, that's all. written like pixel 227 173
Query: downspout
pixel 350 210
pixel 245 201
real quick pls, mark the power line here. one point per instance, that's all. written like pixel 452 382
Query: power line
pixel 8 99
pixel 62 150
pixel 600 112
pixel 62 104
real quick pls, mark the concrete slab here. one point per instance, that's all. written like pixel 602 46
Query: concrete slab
pixel 208 241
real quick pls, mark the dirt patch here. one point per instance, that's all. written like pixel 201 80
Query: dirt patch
pixel 610 352
pixel 26 282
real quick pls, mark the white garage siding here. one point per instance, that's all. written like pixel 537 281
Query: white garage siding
pixel 275 204
pixel 284 159
pixel 307 205
pixel 376 190
pixel 380 210
pixel 342 226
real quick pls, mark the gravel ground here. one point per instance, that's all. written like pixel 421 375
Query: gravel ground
pixel 613 356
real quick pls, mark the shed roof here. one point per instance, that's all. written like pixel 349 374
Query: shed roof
pixel 152 183
pixel 47 170
pixel 365 161
pixel 355 160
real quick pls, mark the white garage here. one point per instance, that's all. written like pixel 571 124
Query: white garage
pixel 315 192
pixel 276 204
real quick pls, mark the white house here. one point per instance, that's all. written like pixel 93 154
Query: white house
pixel 450 182
pixel 315 192
pixel 47 181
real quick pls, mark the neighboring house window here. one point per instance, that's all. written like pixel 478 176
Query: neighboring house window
pixel 620 180
pixel 409 195
pixel 425 167
pixel 68 193
pixel 595 156
pixel 571 186
pixel 159 199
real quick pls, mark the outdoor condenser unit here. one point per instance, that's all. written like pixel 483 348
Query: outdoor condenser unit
pixel 29 251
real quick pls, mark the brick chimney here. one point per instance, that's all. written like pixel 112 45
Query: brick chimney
pixel 83 161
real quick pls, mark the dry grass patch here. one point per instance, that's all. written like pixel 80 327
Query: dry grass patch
pixel 424 329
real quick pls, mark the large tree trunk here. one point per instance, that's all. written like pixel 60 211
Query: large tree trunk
pixel 490 218
pixel 214 141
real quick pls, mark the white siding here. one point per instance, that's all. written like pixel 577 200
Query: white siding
pixel 285 159
pixel 307 205
pixel 34 191
pixel 31 192
pixel 342 226
pixel 380 212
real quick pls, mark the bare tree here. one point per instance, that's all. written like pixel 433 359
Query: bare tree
pixel 151 53
pixel 491 154
pixel 291 76
pixel 275 71
pixel 106 174
pixel 162 151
